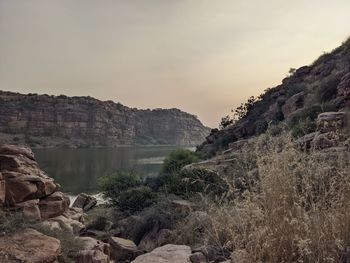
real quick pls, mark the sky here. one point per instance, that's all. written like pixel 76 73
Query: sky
pixel 201 56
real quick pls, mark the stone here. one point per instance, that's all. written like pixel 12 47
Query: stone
pixel 166 254
pixel 53 205
pixel 182 207
pixel 294 103
pixel 85 202
pixel 68 224
pixel 91 256
pixel 198 257
pixel 30 246
pixel 93 251
pixel 325 140
pixel 24 180
pixel 331 121
pixel 305 141
pixel 123 249
pixel 30 209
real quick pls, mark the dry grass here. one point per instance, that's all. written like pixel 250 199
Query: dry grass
pixel 297 210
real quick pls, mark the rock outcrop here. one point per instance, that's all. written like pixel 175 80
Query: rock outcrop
pixel 49 121
pixel 324 86
pixel 166 254
pixel 29 246
pixel 24 186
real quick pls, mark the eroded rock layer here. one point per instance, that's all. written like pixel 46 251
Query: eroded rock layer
pixel 48 121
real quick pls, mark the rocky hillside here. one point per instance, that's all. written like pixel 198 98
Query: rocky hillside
pixel 322 86
pixel 49 121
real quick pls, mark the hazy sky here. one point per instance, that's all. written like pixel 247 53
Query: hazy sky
pixel 202 56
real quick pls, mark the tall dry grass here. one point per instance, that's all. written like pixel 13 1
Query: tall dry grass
pixel 296 210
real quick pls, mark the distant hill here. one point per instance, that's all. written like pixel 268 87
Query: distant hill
pixel 308 91
pixel 56 121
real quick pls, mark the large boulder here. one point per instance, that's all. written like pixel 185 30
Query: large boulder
pixel 53 205
pixel 331 121
pixel 94 251
pixel 29 246
pixel 166 254
pixel 123 249
pixel 24 180
pixel 85 202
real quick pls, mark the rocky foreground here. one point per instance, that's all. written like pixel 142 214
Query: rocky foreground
pixel 53 121
pixel 27 191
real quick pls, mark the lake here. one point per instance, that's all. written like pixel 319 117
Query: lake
pixel 77 170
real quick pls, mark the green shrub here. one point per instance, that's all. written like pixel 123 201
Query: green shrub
pixel 135 199
pixel 295 89
pixel 177 160
pixel 303 127
pixel 112 186
pixel 261 126
pixel 193 181
pixel 327 90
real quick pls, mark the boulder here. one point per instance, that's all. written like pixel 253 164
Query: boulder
pixel 85 202
pixel 123 249
pixel 166 254
pixel 91 256
pixel 331 121
pixel 53 205
pixel 67 224
pixel 325 140
pixel 2 191
pixel 94 251
pixel 30 209
pixel 24 180
pixel 294 103
pixel 29 246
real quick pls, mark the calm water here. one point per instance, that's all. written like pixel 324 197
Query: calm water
pixel 77 170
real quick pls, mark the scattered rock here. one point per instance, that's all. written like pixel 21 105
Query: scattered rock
pixel 91 256
pixel 85 202
pixel 330 121
pixel 123 249
pixel 166 254
pixel 30 246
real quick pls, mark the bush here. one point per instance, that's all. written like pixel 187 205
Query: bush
pixel 327 90
pixel 135 199
pixel 295 89
pixel 193 181
pixel 112 186
pixel 301 197
pixel 177 160
pixel 303 127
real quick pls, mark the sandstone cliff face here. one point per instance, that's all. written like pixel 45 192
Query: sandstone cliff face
pixel 43 121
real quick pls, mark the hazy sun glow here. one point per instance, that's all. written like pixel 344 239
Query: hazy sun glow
pixel 201 56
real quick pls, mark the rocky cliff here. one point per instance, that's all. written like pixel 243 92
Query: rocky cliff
pixel 296 102
pixel 48 121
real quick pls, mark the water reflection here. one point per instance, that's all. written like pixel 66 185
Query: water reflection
pixel 77 170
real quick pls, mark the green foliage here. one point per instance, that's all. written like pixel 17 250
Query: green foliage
pixel 295 89
pixel 327 90
pixel 261 126
pixel 177 160
pixel 112 186
pixel 225 121
pixel 11 222
pixel 193 181
pixel 303 127
pixel 244 109
pixel 136 199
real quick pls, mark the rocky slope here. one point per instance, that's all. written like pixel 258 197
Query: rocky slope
pixel 322 86
pixel 49 121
